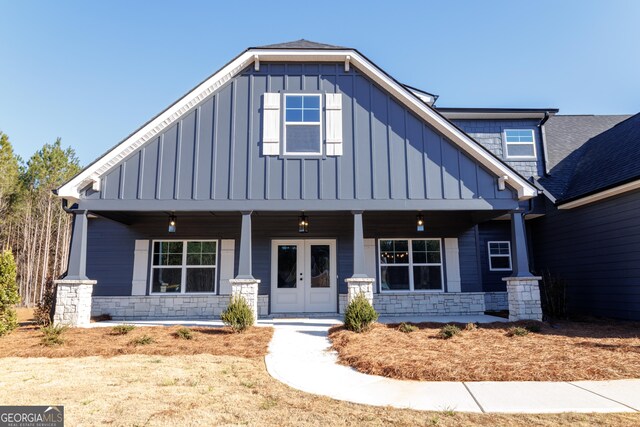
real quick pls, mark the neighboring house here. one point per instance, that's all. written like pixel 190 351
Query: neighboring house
pixel 298 175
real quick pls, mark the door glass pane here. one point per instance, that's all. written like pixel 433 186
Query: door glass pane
pixel 287 266
pixel 320 267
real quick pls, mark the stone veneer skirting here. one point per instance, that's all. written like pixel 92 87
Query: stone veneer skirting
pixel 167 306
pixel 211 306
pixel 496 301
pixel 428 303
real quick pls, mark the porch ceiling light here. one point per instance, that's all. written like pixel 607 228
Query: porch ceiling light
pixel 303 223
pixel 172 224
pixel 420 222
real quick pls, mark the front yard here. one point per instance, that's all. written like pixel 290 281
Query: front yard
pixel 215 378
pixel 566 351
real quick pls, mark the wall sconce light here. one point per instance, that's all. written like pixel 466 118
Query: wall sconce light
pixel 420 222
pixel 172 224
pixel 303 224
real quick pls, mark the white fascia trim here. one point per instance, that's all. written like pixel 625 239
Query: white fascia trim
pixel 71 189
pixel 616 191
pixel 491 115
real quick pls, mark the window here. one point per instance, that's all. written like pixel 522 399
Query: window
pixel 187 266
pixel 519 144
pixel 500 256
pixel 302 125
pixel 410 265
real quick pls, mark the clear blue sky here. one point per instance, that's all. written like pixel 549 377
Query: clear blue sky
pixel 92 72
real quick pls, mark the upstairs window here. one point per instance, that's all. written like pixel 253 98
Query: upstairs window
pixel 500 256
pixel 302 125
pixel 519 144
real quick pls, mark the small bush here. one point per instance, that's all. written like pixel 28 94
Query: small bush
pixel 534 327
pixel 122 329
pixel 143 340
pixel 184 333
pixel 448 331
pixel 52 335
pixel 359 314
pixel 517 331
pixel 8 293
pixel 470 326
pixel 553 294
pixel 407 328
pixel 238 315
pixel 43 314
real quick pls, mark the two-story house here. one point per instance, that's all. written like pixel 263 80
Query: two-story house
pixel 298 175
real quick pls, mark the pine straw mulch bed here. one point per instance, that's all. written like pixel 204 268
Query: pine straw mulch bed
pixel 564 351
pixel 26 341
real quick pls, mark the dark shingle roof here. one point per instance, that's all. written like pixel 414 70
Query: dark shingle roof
pixel 609 159
pixel 300 44
pixel 566 138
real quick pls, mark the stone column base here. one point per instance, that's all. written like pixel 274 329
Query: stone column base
pixel 247 289
pixel 358 285
pixel 524 298
pixel 73 302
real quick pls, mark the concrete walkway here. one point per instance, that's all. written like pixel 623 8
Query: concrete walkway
pixel 299 356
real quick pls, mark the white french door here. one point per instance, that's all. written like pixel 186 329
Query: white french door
pixel 303 276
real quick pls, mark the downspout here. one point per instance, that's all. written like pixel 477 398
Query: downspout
pixel 544 141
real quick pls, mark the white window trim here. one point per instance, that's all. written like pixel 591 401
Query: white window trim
pixel 499 255
pixel 411 265
pixel 285 151
pixel 183 267
pixel 506 145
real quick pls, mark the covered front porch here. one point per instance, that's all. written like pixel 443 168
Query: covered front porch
pixel 144 271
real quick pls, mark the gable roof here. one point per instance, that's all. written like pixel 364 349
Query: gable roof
pixel 92 173
pixel 300 44
pixel 566 137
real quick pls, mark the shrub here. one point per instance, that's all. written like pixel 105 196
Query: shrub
pixel 448 331
pixel 407 328
pixel 143 340
pixel 534 327
pixel 359 314
pixel 184 333
pixel 470 326
pixel 52 334
pixel 238 315
pixel 553 295
pixel 43 314
pixel 517 331
pixel 8 293
pixel 122 329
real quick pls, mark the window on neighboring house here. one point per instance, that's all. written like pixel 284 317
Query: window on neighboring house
pixel 520 144
pixel 186 266
pixel 500 256
pixel 302 125
pixel 410 265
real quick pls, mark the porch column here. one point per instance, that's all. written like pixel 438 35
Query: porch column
pixel 73 292
pixel 359 282
pixel 245 285
pixel 522 287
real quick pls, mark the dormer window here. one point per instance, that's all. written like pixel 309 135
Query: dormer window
pixel 519 144
pixel 302 125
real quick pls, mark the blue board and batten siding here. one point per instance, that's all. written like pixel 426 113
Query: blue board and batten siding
pixel 213 155
pixel 596 250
